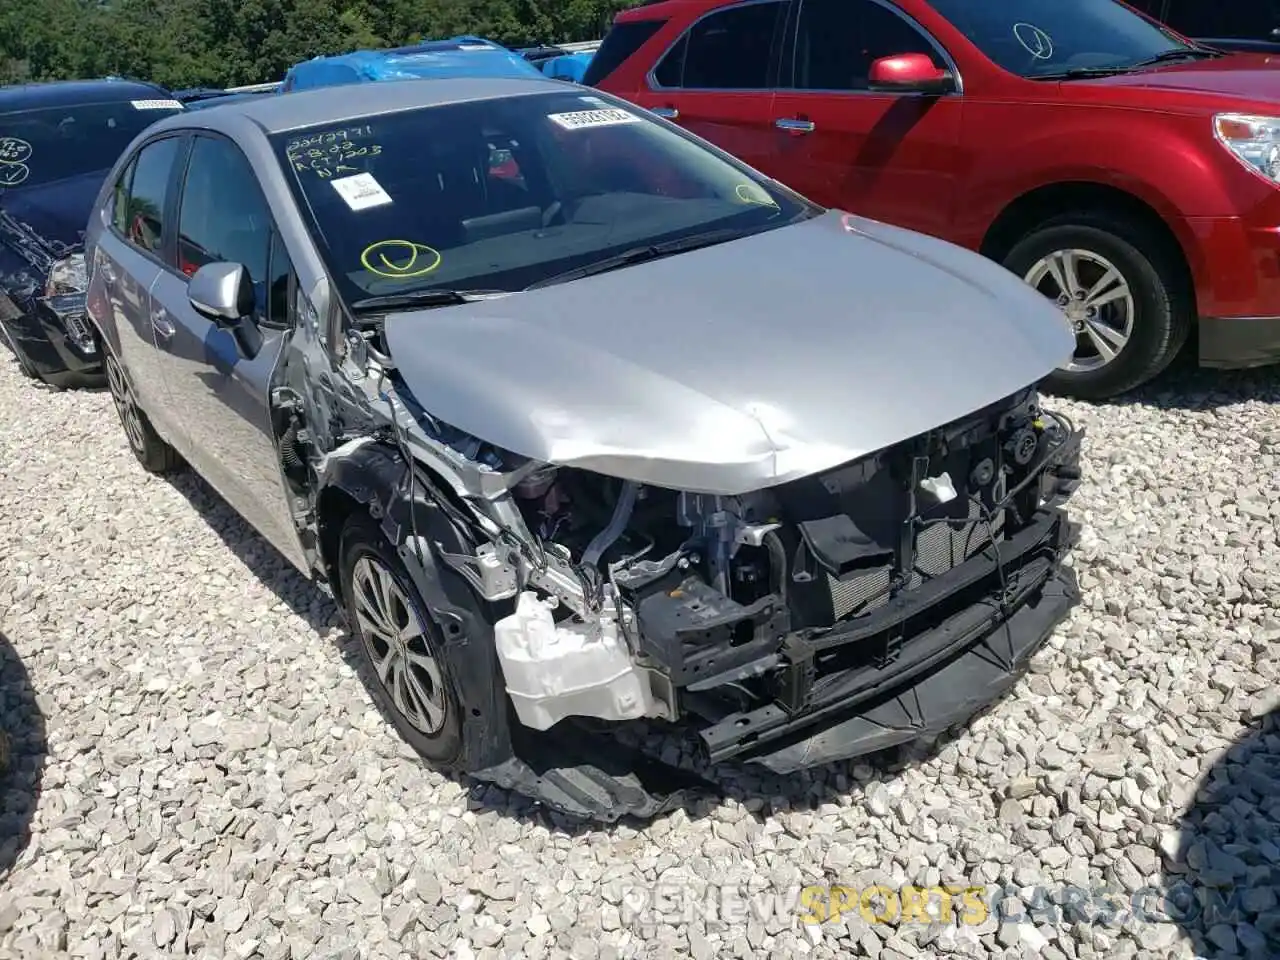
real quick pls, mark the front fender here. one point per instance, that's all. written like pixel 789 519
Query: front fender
pixel 579 774
pixel 373 476
pixel 1168 161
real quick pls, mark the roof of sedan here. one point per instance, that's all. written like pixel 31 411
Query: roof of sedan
pixel 277 113
pixel 63 93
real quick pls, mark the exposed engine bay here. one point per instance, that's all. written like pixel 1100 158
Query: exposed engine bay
pixel 745 614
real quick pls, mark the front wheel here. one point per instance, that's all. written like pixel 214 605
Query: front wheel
pixel 400 647
pixel 1122 292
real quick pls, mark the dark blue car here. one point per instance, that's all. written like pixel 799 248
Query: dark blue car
pixel 58 141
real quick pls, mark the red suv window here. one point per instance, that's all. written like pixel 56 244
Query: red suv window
pixel 726 50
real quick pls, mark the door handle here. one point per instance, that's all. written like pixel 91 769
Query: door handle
pixel 163 328
pixel 794 126
pixel 668 113
pixel 1276 33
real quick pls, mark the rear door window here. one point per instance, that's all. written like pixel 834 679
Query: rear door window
pixel 144 214
pixel 120 198
pixel 730 49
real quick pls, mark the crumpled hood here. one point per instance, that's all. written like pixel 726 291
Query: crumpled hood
pixel 41 224
pixel 739 366
pixel 59 211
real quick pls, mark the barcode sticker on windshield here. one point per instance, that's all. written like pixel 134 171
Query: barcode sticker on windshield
pixel 583 119
pixel 361 191
pixel 156 104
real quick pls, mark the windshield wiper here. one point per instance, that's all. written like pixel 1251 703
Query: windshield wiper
pixel 1168 56
pixel 652 251
pixel 424 298
pixel 1193 53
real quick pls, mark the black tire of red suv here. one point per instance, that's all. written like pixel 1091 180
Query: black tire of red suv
pixel 364 550
pixel 1164 305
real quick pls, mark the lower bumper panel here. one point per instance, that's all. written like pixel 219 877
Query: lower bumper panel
pixel 49 353
pixel 1235 343
pixel 950 695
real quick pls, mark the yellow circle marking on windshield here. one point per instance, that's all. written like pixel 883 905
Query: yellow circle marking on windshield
pixel 750 193
pixel 400 259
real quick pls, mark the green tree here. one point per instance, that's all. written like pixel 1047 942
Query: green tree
pixel 181 43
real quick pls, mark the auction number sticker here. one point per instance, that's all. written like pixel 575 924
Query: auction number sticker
pixel 583 119
pixel 361 191
pixel 156 104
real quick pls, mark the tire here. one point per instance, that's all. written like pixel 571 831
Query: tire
pixel 1144 330
pixel 154 454
pixel 24 365
pixel 370 574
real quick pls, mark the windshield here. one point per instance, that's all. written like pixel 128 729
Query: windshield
pixel 1043 38
pixel 54 143
pixel 501 194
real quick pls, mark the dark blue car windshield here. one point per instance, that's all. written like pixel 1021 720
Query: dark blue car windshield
pixel 1037 38
pixel 55 143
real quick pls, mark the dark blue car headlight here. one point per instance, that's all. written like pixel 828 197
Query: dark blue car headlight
pixel 64 296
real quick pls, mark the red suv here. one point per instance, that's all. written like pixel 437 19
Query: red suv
pixel 1123 170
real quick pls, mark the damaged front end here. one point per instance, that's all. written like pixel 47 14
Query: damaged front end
pixel 881 601
pixel 43 307
pixel 827 618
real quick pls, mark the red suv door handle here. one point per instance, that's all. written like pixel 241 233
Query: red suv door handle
pixel 792 125
pixel 667 113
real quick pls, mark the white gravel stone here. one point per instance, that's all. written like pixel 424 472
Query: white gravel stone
pixel 217 782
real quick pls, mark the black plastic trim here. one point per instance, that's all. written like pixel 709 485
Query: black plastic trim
pixel 743 732
pixel 1236 343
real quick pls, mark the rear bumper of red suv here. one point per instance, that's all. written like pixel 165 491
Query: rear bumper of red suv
pixel 1237 275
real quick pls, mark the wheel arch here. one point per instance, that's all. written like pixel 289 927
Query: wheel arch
pixel 1021 215
pixel 373 476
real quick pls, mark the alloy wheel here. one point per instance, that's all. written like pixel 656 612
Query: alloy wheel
pixel 1095 298
pixel 396 640
pixel 126 406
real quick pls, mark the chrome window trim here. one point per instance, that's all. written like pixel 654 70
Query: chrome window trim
pixel 656 87
pixel 911 21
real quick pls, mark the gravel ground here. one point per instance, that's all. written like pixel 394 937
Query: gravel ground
pixel 202 773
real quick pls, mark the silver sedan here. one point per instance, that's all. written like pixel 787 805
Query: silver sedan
pixel 584 422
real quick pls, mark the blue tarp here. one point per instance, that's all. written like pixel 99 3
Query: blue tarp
pixel 433 59
pixel 570 66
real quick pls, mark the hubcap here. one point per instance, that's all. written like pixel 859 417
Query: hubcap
pixel 1094 297
pixel 130 415
pixel 397 645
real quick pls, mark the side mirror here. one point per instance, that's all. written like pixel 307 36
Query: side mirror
pixel 223 292
pixel 910 73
